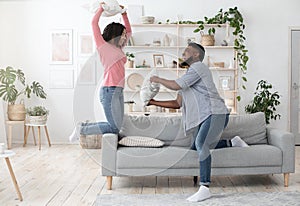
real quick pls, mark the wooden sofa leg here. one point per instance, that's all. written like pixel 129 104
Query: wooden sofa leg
pixel 109 182
pixel 286 179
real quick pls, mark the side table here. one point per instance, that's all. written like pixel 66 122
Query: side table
pixel 10 125
pixel 6 155
pixel 27 130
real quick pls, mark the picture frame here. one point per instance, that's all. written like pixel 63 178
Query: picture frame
pixel 61 45
pixel 86 71
pixel 224 82
pixel 158 60
pixel 61 79
pixel 86 44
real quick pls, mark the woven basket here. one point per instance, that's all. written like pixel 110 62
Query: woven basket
pixel 91 141
pixel 16 112
pixel 38 120
pixel 207 40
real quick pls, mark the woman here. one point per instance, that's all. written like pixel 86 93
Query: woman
pixel 109 46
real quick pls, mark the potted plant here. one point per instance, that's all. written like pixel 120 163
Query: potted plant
pixel 130 58
pixel 37 115
pixel 13 85
pixel 264 101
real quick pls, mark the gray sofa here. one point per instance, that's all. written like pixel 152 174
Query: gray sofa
pixel 271 150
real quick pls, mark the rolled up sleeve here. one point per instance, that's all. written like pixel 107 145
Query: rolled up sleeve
pixel 188 79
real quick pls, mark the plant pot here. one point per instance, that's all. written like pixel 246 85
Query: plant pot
pixel 16 112
pixel 207 40
pixel 130 64
pixel 37 120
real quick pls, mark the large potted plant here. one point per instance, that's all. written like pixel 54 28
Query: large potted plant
pixel 13 85
pixel 264 101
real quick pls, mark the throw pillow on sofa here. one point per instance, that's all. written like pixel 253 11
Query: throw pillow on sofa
pixel 140 141
pixel 250 127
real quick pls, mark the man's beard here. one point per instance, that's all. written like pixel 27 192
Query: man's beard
pixel 187 62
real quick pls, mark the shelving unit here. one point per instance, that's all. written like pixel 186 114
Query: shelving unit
pixel 143 48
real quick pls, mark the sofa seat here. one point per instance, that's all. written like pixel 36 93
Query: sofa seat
pixel 179 157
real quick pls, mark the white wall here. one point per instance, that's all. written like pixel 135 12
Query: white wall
pixel 24 43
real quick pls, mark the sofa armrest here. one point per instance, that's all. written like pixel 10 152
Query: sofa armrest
pixel 286 142
pixel 109 154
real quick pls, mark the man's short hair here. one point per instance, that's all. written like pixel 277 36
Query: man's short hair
pixel 199 48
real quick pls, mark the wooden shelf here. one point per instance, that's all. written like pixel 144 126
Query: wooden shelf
pixel 177 25
pixel 222 69
pixel 175 47
pixel 159 69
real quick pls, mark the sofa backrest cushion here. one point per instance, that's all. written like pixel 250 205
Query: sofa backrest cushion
pixel 250 127
pixel 168 129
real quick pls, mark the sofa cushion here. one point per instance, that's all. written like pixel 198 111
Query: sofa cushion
pixel 178 157
pixel 168 129
pixel 250 127
pixel 139 141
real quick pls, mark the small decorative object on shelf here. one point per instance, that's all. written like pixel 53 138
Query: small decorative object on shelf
pixel 158 60
pixel 156 42
pixel 219 64
pixel 224 43
pixel 130 57
pixel 207 39
pixel 224 82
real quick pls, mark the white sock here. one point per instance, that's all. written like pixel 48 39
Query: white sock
pixel 238 142
pixel 74 137
pixel 202 194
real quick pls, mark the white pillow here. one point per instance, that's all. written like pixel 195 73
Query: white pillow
pixel 111 7
pixel 149 90
pixel 140 141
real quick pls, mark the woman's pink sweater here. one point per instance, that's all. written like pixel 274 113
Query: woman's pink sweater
pixel 112 57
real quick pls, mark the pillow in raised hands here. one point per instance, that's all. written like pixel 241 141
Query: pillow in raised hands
pixel 149 90
pixel 111 7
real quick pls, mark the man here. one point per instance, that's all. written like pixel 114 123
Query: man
pixel 203 110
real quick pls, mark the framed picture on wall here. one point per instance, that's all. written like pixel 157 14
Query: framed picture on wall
pixel 86 71
pixel 61 79
pixel 158 60
pixel 61 47
pixel 86 45
pixel 224 82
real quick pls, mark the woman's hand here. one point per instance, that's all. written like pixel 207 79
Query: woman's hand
pixel 122 7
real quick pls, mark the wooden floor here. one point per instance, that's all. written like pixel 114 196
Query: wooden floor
pixel 69 175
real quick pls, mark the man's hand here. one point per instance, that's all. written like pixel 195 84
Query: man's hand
pixel 154 79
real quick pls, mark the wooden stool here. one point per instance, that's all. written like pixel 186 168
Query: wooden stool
pixel 6 155
pixel 10 124
pixel 27 130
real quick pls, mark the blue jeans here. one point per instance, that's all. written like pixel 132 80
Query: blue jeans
pixel 208 137
pixel 112 100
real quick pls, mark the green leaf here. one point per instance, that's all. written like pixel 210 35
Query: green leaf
pixel 38 90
